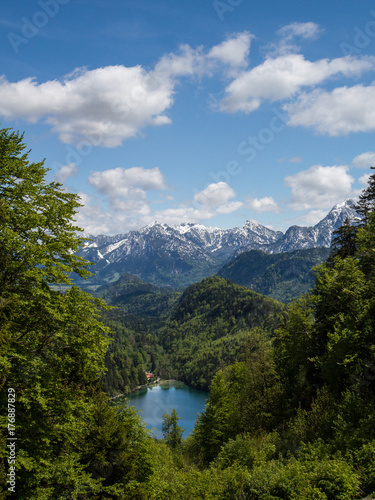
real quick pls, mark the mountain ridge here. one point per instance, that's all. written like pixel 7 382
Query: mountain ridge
pixel 188 252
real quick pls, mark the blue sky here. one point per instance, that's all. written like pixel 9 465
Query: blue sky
pixel 203 111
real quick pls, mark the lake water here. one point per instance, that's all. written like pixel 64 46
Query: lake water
pixel 156 400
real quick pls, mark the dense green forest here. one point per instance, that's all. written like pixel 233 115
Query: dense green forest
pixel 187 336
pixel 282 276
pixel 291 411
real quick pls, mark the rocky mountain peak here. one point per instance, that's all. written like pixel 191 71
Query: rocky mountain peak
pixel 160 253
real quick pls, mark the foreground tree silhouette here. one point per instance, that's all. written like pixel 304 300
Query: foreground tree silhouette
pixel 52 343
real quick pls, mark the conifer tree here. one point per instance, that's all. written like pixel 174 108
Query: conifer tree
pixel 172 432
pixel 344 243
pixel 366 203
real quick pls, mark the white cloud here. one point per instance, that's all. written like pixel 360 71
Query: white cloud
pixel 364 160
pixel 364 179
pixel 234 51
pixel 176 215
pixel 105 105
pixel 339 112
pixel 288 33
pixel 311 218
pixel 229 207
pixel 304 30
pixel 117 181
pixel 120 202
pixel 187 62
pixel 282 77
pixel 108 105
pixel 126 189
pixel 214 195
pixel 266 204
pixel 65 172
pixel 319 187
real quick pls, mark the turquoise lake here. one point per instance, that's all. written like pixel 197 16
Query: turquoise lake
pixel 156 400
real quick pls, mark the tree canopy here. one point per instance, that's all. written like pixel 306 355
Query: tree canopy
pixel 52 342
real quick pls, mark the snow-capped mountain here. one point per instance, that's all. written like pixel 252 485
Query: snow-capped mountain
pixel 163 254
pixel 320 235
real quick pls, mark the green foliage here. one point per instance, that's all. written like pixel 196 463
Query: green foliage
pixel 247 451
pixel 309 477
pixel 282 276
pixel 365 464
pixel 210 327
pixel 344 243
pixel 136 297
pixel 312 390
pixel 244 397
pixel 188 339
pixel 172 432
pixel 53 346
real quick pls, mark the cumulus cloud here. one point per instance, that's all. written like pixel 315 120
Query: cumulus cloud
pixel 65 172
pixel 120 202
pixel 234 51
pixel 282 77
pixel 311 218
pixel 319 187
pixel 117 181
pixel 364 160
pixel 214 195
pixel 106 105
pixel 364 179
pixel 126 189
pixel 187 62
pixel 229 207
pixel 339 112
pixel 266 204
pixel 214 199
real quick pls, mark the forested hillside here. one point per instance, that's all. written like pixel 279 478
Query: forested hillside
pixel 211 325
pixel 187 336
pixel 291 411
pixel 282 276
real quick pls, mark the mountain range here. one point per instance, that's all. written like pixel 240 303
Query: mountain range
pixel 179 255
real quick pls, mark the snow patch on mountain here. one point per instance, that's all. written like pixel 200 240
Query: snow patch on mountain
pixel 187 244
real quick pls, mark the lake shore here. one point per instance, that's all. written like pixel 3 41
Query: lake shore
pixel 145 386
